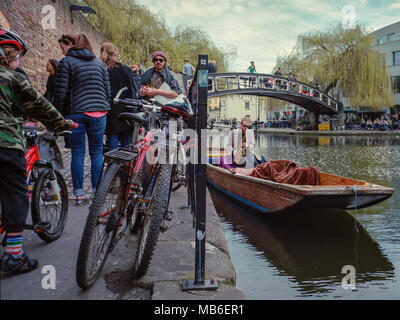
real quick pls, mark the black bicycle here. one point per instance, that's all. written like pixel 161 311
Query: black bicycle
pixel 134 192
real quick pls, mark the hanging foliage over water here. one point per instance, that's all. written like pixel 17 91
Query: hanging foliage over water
pixel 137 33
pixel 344 59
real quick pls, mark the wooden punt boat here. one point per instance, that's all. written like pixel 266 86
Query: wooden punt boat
pixel 269 196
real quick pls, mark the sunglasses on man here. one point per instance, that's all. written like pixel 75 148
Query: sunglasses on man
pixel 158 60
pixel 245 125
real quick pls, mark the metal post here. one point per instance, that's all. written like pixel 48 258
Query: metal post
pixel 200 92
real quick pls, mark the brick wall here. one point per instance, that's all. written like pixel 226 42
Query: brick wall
pixel 25 18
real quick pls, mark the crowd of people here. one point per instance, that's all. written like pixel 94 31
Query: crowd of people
pixel 78 98
pixel 383 123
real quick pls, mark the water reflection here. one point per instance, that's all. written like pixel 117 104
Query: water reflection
pixel 310 247
pixel 289 140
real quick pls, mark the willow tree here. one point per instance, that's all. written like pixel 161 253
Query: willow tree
pixel 191 41
pixel 137 33
pixel 345 59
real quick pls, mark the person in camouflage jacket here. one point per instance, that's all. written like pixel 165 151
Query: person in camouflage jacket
pixel 17 99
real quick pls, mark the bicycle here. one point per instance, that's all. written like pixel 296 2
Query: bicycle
pixel 133 192
pixel 49 200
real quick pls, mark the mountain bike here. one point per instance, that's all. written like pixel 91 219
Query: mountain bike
pixel 49 197
pixel 134 191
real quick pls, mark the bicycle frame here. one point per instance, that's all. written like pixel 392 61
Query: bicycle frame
pixel 32 158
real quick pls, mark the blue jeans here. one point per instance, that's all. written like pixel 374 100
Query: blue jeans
pixel 94 129
pixel 125 138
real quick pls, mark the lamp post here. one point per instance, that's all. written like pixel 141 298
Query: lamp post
pixel 84 9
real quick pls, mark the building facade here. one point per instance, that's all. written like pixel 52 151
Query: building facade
pixel 237 107
pixel 388 43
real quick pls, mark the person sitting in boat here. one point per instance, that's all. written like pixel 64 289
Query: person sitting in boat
pixel 240 148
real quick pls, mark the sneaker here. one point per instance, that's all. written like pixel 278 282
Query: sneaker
pixel 20 265
pixel 81 201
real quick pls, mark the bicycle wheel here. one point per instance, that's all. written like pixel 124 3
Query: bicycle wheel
pixel 141 179
pixel 152 218
pixel 101 226
pixel 179 170
pixel 46 207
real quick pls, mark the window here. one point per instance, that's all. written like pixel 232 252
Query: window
pixel 247 105
pixel 390 37
pixel 396 58
pixel 396 85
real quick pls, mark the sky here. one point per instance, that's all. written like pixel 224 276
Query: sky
pixel 261 30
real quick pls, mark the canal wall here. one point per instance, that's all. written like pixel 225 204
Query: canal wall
pixel 330 133
pixel 222 127
pixel 173 260
pixel 41 23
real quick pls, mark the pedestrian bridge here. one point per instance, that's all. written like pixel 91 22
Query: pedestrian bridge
pixel 299 93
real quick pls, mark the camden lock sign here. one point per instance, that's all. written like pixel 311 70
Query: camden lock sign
pixel 3 21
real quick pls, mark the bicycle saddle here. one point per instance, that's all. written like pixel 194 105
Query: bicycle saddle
pixel 176 110
pixel 140 117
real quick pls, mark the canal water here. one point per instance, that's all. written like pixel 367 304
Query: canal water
pixel 311 254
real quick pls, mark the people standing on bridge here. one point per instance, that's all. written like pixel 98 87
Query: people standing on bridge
pixel 17 99
pixel 279 74
pixel 252 69
pixel 187 72
pixel 212 67
pixel 187 68
pixel 118 132
pixel 156 76
pixel 83 93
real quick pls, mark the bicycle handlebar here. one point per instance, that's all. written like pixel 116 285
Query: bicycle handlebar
pixel 29 133
pixel 149 104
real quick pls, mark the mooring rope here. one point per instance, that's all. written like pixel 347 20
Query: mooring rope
pixel 355 206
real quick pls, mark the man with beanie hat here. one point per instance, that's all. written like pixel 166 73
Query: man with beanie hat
pixel 154 77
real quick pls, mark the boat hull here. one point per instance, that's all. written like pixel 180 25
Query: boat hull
pixel 268 196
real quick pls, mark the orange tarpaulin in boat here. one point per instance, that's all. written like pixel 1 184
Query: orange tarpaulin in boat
pixel 285 171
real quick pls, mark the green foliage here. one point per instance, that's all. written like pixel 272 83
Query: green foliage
pixel 137 33
pixel 342 58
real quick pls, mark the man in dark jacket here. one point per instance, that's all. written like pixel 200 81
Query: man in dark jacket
pixel 154 77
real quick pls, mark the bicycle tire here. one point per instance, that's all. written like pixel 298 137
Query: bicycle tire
pixel 37 213
pixel 86 278
pixel 143 178
pixel 151 223
pixel 179 168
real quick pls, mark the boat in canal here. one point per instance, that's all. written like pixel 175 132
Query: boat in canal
pixel 334 192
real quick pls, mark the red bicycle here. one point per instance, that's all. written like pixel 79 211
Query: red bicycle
pixel 49 199
pixel 134 191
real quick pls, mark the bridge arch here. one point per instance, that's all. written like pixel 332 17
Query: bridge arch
pixel 293 91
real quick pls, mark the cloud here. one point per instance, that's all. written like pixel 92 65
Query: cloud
pixel 262 29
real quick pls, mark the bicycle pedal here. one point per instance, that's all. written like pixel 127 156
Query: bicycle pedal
pixel 169 215
pixel 41 226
